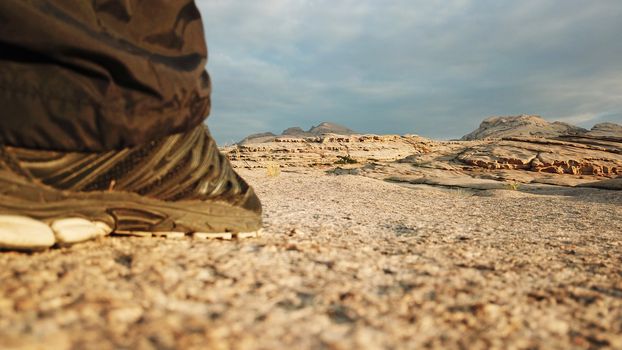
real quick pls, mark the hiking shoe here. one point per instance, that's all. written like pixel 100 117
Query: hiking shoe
pixel 177 186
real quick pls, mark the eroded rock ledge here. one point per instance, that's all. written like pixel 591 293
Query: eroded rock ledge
pixel 573 158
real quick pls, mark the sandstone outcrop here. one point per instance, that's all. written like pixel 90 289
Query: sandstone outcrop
pixel 605 130
pixel 521 126
pixel 325 150
pixel 557 154
pixel 550 156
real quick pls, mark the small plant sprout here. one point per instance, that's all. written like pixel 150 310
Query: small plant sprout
pixel 273 169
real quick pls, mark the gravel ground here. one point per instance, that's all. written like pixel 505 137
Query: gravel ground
pixel 344 262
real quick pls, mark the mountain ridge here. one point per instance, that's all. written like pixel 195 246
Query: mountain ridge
pixel 296 131
pixel 524 125
pixel 491 128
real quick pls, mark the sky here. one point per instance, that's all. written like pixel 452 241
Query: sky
pixel 435 68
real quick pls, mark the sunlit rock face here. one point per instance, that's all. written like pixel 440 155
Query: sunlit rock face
pixel 521 126
pixel 522 149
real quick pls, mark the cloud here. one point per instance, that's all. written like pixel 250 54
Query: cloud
pixel 435 68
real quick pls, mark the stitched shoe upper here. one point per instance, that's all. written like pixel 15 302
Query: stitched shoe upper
pixel 179 167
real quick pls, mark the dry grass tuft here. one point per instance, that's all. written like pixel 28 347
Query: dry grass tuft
pixel 273 169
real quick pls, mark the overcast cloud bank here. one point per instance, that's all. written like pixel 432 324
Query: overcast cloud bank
pixel 434 68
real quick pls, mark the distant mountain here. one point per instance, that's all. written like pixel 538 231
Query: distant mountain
pixel 491 128
pixel 293 131
pixel 330 128
pixel 258 137
pixel 606 130
pixel 322 128
pixel 522 126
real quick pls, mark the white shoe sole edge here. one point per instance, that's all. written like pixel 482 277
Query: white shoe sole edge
pixel 26 234
pixel 23 233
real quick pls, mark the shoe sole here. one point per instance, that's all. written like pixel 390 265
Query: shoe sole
pixel 123 212
pixel 27 234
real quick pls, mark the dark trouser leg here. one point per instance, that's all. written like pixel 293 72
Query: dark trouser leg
pixel 98 75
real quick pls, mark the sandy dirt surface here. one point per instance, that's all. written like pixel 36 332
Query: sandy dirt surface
pixel 344 262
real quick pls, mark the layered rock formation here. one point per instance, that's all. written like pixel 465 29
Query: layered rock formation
pixel 521 126
pixel 513 150
pixel 526 160
pixel 605 130
pixel 549 156
pixel 325 150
